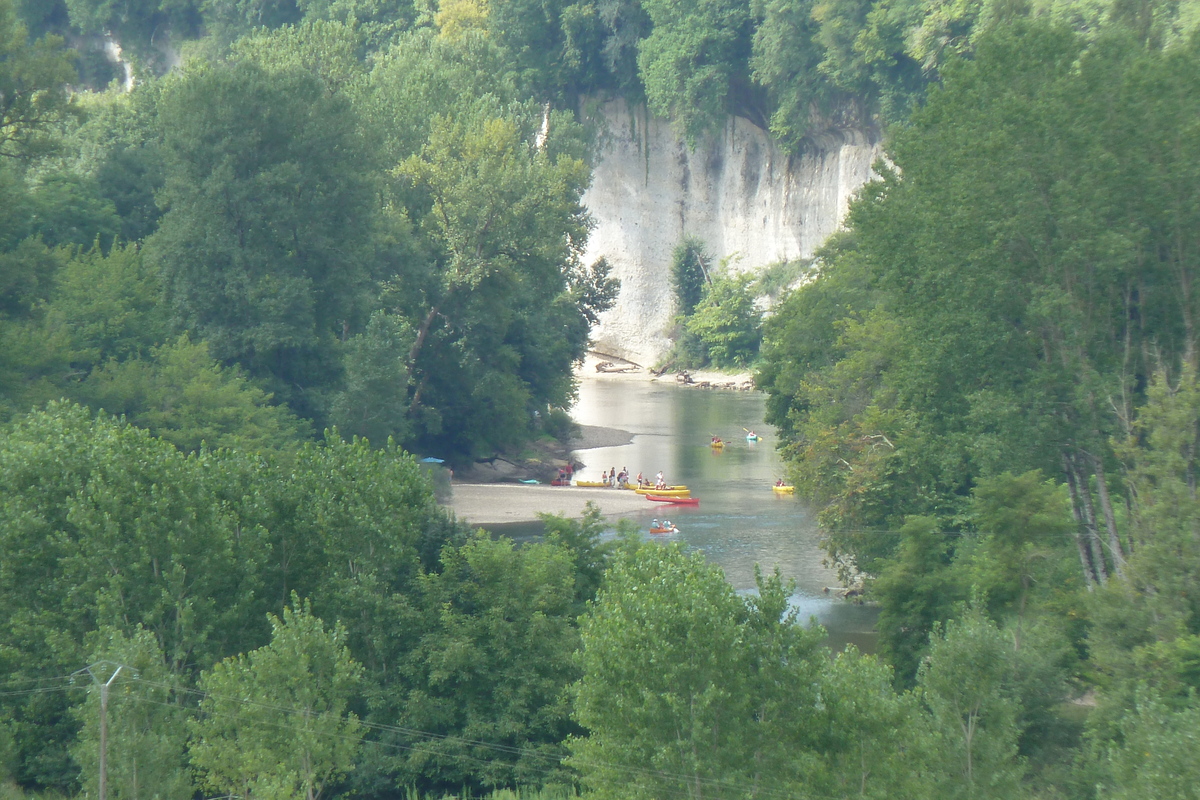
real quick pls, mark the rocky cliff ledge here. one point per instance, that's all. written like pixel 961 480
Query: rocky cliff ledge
pixel 736 192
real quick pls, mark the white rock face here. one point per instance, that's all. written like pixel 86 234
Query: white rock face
pixel 737 193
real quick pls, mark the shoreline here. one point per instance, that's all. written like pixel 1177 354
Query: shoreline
pixel 497 503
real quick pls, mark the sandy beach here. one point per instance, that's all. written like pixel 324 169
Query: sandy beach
pixel 495 503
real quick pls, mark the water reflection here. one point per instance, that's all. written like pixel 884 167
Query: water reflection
pixel 740 521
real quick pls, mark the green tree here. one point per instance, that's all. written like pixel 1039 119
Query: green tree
pixel 72 210
pixel 686 689
pixel 33 86
pixel 227 20
pixel 180 394
pixel 329 50
pixel 423 77
pixel 101 524
pixel 995 292
pixel 34 362
pixel 784 59
pixel 499 327
pixel 727 322
pixel 964 684
pixel 379 21
pixel 374 403
pixel 274 722
pixel 264 250
pixel 1155 756
pixel 489 677
pixel 690 263
pixel 581 538
pixel 1024 521
pixel 693 58
pixel 916 590
pixel 147 731
pixel 877 738
pixel 108 306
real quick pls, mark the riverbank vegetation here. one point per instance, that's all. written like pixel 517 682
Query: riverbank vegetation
pixel 990 388
pixel 284 237
pixel 719 321
pixel 344 219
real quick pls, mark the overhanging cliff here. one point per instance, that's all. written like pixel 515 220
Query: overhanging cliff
pixel 736 192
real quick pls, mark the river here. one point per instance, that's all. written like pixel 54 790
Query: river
pixel 740 521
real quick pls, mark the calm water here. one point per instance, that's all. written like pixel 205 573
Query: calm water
pixel 740 521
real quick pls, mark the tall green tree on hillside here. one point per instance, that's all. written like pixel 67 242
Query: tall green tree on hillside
pixel 146 720
pixel 33 86
pixel 275 722
pixel 266 247
pixel 503 217
pixel 694 61
pixel 687 689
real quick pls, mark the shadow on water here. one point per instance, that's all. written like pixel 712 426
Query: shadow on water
pixel 740 521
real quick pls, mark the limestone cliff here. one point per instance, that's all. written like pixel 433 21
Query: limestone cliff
pixel 736 192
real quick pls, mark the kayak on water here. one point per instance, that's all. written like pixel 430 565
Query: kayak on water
pixel 681 501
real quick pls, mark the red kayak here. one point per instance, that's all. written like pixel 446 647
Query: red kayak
pixel 679 501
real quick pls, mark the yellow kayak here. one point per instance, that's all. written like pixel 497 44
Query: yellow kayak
pixel 649 489
pixel 785 489
pixel 665 492
pixel 591 484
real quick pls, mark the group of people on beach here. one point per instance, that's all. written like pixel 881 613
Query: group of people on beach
pixel 611 477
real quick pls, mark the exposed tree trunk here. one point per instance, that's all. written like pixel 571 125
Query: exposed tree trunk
pixel 1085 559
pixel 1091 528
pixel 419 342
pixel 1110 521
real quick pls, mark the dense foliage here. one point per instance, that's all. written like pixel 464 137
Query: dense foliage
pixel 204 575
pixel 990 386
pixel 284 235
pixel 795 66
pixel 366 215
pixel 720 313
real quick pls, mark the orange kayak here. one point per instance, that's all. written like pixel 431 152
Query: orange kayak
pixel 679 501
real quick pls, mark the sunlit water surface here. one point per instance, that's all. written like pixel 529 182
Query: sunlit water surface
pixel 740 521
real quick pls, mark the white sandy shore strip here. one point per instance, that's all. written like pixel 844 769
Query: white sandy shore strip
pixel 587 371
pixel 495 503
pixel 590 436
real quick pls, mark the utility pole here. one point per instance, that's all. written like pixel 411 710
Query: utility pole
pixel 91 670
